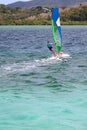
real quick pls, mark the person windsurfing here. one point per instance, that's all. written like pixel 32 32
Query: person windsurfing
pixel 49 45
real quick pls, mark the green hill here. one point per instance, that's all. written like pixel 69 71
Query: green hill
pixel 39 15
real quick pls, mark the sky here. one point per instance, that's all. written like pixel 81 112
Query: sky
pixel 10 1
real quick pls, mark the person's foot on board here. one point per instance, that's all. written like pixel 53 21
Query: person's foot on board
pixel 60 54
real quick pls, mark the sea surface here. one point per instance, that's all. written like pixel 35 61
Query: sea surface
pixel 37 91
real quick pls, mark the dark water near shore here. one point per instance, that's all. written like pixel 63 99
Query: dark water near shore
pixel 38 92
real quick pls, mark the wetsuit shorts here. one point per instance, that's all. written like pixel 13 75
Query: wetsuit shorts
pixel 49 45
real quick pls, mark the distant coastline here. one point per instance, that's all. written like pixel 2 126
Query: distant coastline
pixel 76 15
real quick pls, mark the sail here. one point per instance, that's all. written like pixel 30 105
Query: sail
pixel 56 29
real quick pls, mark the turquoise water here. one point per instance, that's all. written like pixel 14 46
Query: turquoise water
pixel 38 92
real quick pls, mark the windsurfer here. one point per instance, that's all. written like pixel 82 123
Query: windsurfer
pixel 49 45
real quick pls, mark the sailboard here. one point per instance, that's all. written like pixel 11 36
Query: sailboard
pixel 56 29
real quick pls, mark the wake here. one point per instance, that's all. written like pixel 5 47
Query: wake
pixel 30 65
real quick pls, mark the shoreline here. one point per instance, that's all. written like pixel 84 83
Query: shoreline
pixel 44 23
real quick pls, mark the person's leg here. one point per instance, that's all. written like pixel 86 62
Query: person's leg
pixel 55 54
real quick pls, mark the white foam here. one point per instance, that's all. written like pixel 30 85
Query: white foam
pixel 46 61
pixel 16 67
pixel 65 55
pixel 26 66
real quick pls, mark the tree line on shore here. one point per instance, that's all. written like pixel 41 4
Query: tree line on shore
pixel 42 16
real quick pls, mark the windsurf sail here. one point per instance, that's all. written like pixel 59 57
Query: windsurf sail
pixel 56 29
